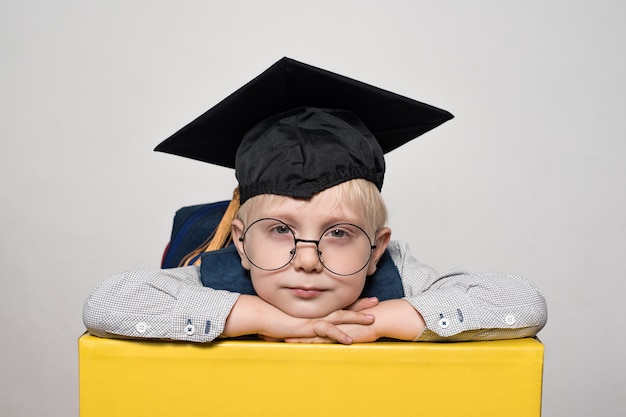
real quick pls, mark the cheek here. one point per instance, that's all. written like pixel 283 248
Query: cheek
pixel 352 290
pixel 261 284
pixel 341 293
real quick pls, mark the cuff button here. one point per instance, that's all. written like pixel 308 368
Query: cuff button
pixel 141 327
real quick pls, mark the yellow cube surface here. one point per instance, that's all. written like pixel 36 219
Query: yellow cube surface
pixel 254 378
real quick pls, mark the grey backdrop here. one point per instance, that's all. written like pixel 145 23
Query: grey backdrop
pixel 528 178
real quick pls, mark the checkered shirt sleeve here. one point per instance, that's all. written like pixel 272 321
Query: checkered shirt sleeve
pixel 158 304
pixel 461 305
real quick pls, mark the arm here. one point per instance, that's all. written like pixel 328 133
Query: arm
pixel 161 304
pixel 461 305
pixel 173 304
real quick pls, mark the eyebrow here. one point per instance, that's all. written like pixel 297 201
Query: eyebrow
pixel 293 219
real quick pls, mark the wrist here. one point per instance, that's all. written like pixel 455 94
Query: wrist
pixel 253 315
pixel 246 317
pixel 397 319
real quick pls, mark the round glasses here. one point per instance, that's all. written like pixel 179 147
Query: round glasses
pixel 343 248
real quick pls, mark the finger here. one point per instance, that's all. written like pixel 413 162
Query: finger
pixel 310 340
pixel 328 330
pixel 363 303
pixel 349 317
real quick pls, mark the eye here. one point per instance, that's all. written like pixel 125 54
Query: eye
pixel 337 233
pixel 281 229
pixel 343 234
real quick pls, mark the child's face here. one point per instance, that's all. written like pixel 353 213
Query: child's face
pixel 304 288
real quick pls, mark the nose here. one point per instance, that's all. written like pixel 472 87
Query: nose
pixel 306 257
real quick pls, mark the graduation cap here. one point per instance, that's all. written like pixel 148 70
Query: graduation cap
pixel 296 130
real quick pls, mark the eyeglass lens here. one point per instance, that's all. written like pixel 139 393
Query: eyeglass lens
pixel 343 249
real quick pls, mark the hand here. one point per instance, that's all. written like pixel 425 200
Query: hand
pixel 351 329
pixel 363 303
pixel 252 315
pixel 359 305
pixel 331 328
pixel 348 334
pixel 395 319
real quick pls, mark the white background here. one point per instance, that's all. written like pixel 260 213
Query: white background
pixel 528 178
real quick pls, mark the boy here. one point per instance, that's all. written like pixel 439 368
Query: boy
pixel 310 233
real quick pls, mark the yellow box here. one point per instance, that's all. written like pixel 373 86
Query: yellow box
pixel 254 378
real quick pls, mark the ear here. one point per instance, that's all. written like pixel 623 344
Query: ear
pixel 383 236
pixel 237 232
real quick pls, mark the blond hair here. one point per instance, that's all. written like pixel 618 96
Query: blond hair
pixel 220 238
pixel 360 194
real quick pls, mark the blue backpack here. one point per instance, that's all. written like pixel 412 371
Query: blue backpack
pixel 192 227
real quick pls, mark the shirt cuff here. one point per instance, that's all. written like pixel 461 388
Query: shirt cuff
pixel 446 311
pixel 200 314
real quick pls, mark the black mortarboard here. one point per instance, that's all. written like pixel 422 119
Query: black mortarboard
pixel 305 128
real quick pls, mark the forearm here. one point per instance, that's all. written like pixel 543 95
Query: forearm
pixel 251 315
pixel 397 319
pixel 157 304
pixel 462 305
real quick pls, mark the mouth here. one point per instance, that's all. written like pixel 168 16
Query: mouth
pixel 306 293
